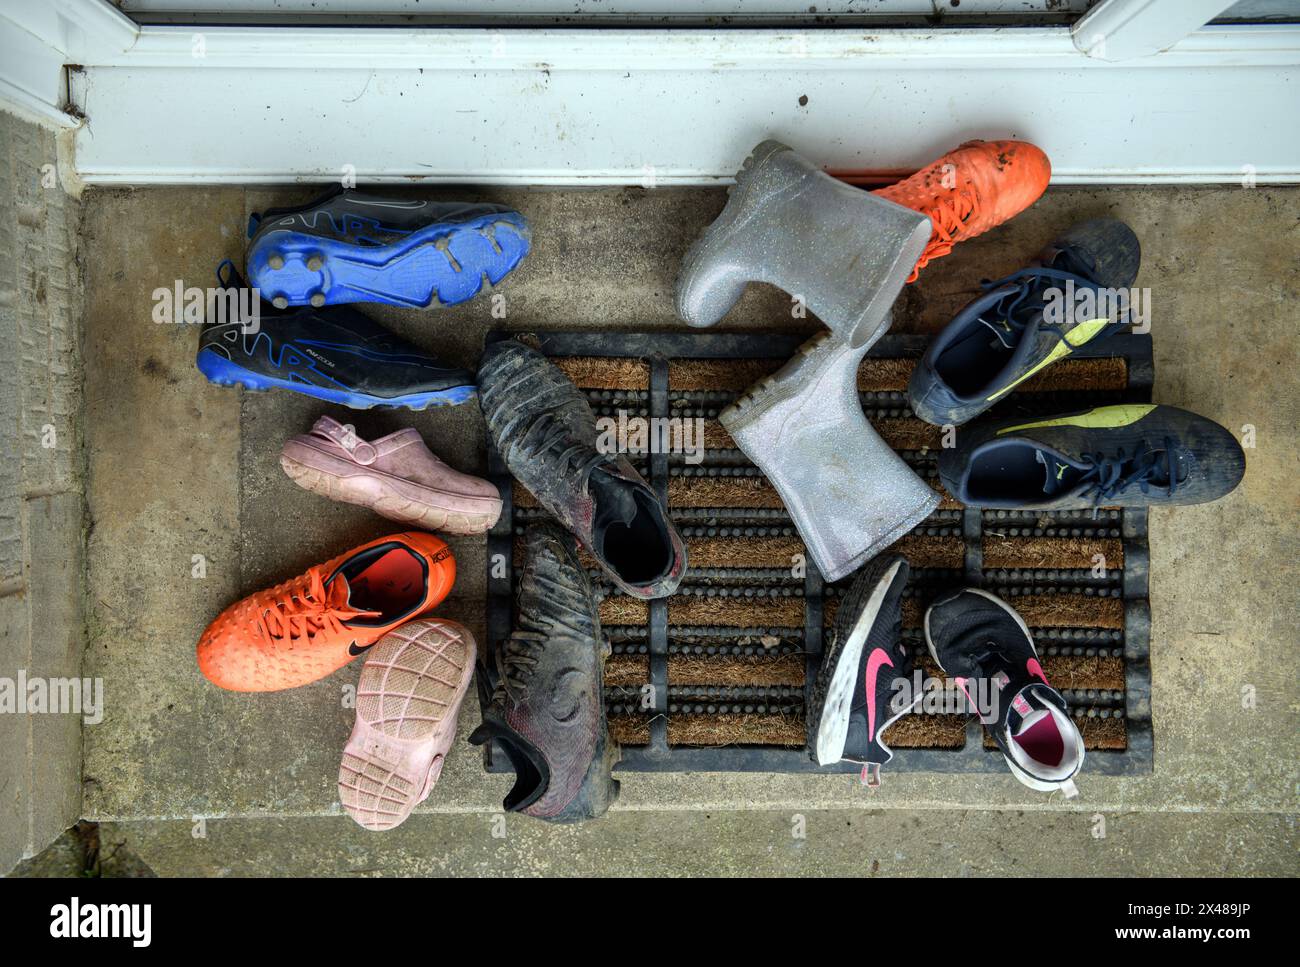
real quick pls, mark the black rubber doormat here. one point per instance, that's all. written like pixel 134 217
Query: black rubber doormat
pixel 714 678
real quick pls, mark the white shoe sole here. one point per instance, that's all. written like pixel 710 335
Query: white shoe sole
pixel 833 729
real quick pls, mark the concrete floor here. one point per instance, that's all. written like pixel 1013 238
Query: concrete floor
pixel 179 468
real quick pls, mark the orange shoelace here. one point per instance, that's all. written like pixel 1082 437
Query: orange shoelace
pixel 300 609
pixel 948 216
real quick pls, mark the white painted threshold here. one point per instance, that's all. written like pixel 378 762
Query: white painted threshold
pixel 674 106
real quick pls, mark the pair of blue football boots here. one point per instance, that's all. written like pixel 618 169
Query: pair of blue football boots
pixel 309 264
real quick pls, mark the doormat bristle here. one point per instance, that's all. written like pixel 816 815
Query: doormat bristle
pixel 686 375
pixel 736 612
pixel 1069 611
pixel 923 550
pixel 739 670
pixel 619 610
pixel 742 729
pixel 1052 552
pixel 1084 672
pixel 630 730
pixel 928 732
pixel 716 436
pixel 748 493
pixel 905 433
pixel 589 372
pixel 627 670
pixel 719 552
pixel 726 660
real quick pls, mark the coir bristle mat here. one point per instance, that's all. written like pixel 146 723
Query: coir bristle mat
pixel 714 678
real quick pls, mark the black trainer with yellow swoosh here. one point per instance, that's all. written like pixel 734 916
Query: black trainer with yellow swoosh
pixel 1075 293
pixel 1128 455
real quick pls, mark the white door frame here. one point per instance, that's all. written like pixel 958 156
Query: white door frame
pixel 181 104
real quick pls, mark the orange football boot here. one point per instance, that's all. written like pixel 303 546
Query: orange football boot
pixel 970 190
pixel 308 627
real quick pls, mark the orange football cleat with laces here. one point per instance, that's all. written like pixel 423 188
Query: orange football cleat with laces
pixel 308 627
pixel 970 190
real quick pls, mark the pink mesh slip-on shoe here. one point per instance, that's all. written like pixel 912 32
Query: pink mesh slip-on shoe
pixel 395 476
pixel 408 698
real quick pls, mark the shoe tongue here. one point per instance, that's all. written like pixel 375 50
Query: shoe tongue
pixel 1030 720
pixel 1027 708
pixel 338 597
pixel 615 502
pixel 339 592
pixel 1056 475
pixel 1004 336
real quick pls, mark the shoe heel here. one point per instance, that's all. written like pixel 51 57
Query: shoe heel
pixel 760 154
pixel 371 787
pixel 767 392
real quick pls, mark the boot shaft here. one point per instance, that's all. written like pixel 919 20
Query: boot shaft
pixel 848 493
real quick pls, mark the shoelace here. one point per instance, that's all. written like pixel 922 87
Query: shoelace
pixel 991 650
pixel 1108 477
pixel 516 662
pixel 985 660
pixel 548 439
pixel 947 217
pixel 1026 301
pixel 301 609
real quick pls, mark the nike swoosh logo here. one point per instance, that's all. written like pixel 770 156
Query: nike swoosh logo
pixel 877 658
pixel 353 650
pixel 1036 669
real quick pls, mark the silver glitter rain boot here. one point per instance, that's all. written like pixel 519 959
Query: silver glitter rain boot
pixel 849 494
pixel 844 251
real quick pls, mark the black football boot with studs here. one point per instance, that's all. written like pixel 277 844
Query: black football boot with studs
pixel 334 354
pixel 348 246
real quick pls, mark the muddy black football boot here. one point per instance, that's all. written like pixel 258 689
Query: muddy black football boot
pixel 347 246
pixel 542 689
pixel 863 686
pixel 546 434
pixel 334 354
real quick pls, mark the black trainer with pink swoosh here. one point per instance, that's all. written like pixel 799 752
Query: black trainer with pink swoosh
pixel 856 699
pixel 974 635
